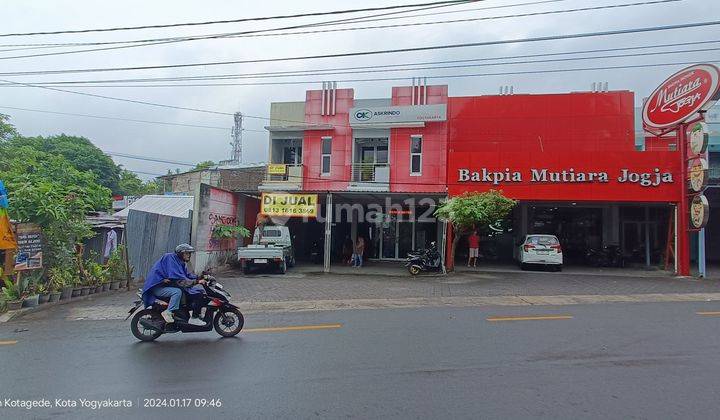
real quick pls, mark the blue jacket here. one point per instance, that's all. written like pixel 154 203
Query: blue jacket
pixel 169 266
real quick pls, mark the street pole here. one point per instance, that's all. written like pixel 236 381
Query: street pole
pixel 701 253
pixel 328 233
pixel 683 234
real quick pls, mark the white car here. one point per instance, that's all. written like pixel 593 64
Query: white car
pixel 540 250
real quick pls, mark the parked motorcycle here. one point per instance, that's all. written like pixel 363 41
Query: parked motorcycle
pixel 227 320
pixel 608 256
pixel 424 260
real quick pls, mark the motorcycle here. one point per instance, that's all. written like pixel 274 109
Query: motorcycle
pixel 607 256
pixel 227 320
pixel 424 260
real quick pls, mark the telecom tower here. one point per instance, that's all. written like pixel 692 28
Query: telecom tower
pixel 236 135
pixel 236 155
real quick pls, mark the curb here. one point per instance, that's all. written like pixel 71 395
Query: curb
pixel 10 315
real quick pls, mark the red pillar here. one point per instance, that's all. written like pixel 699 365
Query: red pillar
pixel 683 224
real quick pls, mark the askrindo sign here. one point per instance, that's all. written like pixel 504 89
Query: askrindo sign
pixel 289 205
pixel 360 116
pixel 681 96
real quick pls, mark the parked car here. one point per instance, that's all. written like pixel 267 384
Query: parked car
pixel 539 250
pixel 271 248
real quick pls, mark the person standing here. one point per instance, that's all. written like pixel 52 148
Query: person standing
pixel 359 251
pixel 473 248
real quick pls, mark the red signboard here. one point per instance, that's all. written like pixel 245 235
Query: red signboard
pixel 682 95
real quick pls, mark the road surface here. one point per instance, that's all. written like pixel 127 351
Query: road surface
pixel 641 360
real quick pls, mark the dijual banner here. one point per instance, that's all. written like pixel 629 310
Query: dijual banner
pixel 289 205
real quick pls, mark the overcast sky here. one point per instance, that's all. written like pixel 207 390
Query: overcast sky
pixel 197 144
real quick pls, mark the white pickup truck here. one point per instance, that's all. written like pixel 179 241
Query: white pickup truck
pixel 270 248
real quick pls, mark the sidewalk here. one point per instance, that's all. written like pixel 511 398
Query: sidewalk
pixel 398 269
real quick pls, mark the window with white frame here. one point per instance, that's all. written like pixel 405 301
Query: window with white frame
pixel 326 152
pixel 415 155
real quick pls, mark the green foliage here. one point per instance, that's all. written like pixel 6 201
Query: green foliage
pixel 62 276
pixel 475 209
pixel 81 154
pixel 229 232
pixel 95 273
pixel 12 292
pixel 131 184
pixel 7 131
pixel 204 165
pixel 116 268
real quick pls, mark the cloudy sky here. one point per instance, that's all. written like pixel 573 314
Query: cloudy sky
pixel 197 144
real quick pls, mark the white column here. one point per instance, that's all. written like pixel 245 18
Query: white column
pixel 328 232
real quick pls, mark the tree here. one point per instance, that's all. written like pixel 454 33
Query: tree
pixel 131 184
pixel 204 165
pixel 81 153
pixel 471 210
pixel 7 131
pixel 47 189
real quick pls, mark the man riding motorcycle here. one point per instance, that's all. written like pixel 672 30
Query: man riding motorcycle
pixel 170 278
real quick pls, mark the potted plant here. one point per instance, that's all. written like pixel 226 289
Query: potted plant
pixel 12 295
pixel 61 280
pixel 43 293
pixel 54 293
pixel 77 286
pixel 116 271
pixel 31 297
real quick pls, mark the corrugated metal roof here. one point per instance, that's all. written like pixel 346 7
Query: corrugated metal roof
pixel 169 205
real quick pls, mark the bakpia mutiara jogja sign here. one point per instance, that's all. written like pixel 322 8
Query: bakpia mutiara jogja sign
pixel 686 92
pixel 289 205
pixel 397 114
pixel 646 179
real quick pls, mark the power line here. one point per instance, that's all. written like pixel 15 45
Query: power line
pixel 340 70
pixel 125 119
pixel 364 80
pixel 149 159
pixel 114 118
pixel 375 70
pixel 144 173
pixel 225 35
pixel 378 52
pixel 360 19
pixel 261 33
pixel 175 25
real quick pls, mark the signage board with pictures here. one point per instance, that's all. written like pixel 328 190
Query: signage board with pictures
pixel 29 253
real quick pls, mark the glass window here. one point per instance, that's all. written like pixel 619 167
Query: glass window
pixel 382 154
pixel 415 164
pixel 326 145
pixel 416 144
pixel 326 153
pixel 415 155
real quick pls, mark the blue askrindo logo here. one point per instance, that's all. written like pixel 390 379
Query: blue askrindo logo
pixel 363 114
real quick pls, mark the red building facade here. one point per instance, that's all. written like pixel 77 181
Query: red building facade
pixel 570 160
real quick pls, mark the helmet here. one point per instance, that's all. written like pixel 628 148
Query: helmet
pixel 184 248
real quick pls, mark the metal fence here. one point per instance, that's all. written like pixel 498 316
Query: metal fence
pixel 151 235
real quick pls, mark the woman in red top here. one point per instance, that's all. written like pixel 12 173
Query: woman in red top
pixel 474 248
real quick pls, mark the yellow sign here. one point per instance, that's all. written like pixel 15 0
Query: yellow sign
pixel 277 169
pixel 289 205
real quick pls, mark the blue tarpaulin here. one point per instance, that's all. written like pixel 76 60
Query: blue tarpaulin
pixel 3 196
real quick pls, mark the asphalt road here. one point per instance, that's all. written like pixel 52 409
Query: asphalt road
pixel 643 360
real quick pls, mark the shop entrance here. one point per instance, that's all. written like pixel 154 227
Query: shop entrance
pixel 393 238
